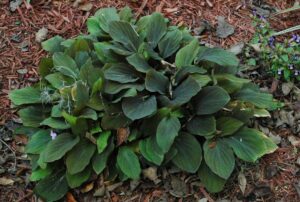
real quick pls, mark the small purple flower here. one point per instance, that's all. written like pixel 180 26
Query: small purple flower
pixel 271 41
pixel 296 38
pixel 254 12
pixel 53 135
pixel 263 18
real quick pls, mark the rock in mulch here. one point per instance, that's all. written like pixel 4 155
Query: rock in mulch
pixel 41 35
pixel 224 29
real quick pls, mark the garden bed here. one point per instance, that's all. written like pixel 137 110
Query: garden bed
pixel 276 177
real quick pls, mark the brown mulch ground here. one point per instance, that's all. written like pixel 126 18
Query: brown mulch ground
pixel 20 52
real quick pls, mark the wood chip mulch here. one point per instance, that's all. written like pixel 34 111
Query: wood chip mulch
pixel 20 53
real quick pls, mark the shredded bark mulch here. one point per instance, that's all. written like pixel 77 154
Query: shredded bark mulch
pixel 275 179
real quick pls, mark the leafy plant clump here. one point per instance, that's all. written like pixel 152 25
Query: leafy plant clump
pixel 280 58
pixel 134 94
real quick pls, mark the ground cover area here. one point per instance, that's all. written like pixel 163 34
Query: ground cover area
pixel 276 177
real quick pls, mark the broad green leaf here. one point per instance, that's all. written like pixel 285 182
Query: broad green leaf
pixel 93 26
pixel 45 66
pixel 89 114
pixel 119 49
pixel 185 91
pixel 114 87
pixel 32 116
pixel 98 85
pixel 102 141
pixel 100 160
pixel 203 126
pixel 56 111
pixel 219 157
pixel 156 82
pixel 128 162
pixel 78 179
pixel 82 57
pixel 65 64
pixel 24 130
pixel 186 55
pixel 138 62
pixel 218 56
pixel 53 44
pixel 126 14
pixel 156 29
pixel 105 16
pixel 125 93
pixel 166 133
pixel 149 125
pixel 254 96
pixel 151 151
pixel 188 70
pixel 96 102
pixel 142 26
pixel 170 43
pixel 189 153
pixel 58 147
pixel 212 182
pixel 230 82
pixel 58 80
pixel 228 125
pixel 72 120
pixel 38 142
pixel 90 74
pixel 80 44
pixel 84 151
pixel 28 95
pixel 80 94
pixel 202 80
pixel 124 33
pixel 114 121
pixel 249 144
pixel 148 52
pixel 139 107
pixel 121 73
pixel 56 123
pixel 54 187
pixel 211 99
pixel 105 53
pixel 40 174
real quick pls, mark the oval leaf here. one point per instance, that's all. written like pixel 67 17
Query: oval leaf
pixel 186 55
pixel 210 100
pixel 219 157
pixel 189 153
pixel 249 144
pixel 84 151
pixel 167 130
pixel 212 182
pixel 57 148
pixel 139 107
pixel 129 163
pixel 203 126
pixel 53 187
pixel 156 82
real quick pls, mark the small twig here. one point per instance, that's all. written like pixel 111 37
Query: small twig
pixel 141 8
pixel 163 62
pixel 206 194
pixel 24 197
pixel 22 16
pixel 14 153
